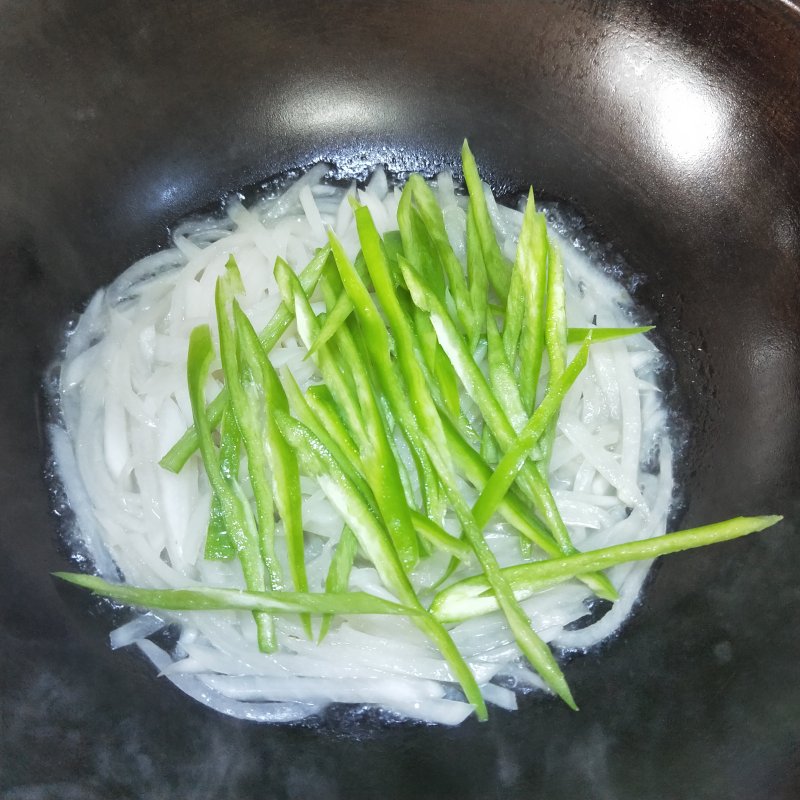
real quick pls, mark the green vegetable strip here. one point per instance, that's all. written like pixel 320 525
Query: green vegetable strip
pixel 376 340
pixel 392 246
pixel 187 445
pixel 535 650
pixel 324 410
pixel 421 251
pixel 476 386
pixel 338 577
pixel 497 268
pixel 203 598
pixel 511 507
pixel 239 520
pixel 426 335
pixel 514 316
pixel 577 335
pixel 477 279
pixel 488 449
pixel 431 214
pixel 391 428
pixel 506 390
pixel 337 316
pixel 502 378
pixel 283 462
pixel 219 545
pixel 473 595
pixel 436 362
pixel 532 253
pixel 440 538
pixel 340 311
pixel 329 429
pixel 417 245
pixel 452 566
pixel 556 340
pixel 427 419
pixel 349 352
pixel 317 462
pixel 406 413
pixel 246 409
pixel 325 359
pixel 512 461
pixel 380 465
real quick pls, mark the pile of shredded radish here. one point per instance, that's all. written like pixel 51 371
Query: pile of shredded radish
pixel 124 401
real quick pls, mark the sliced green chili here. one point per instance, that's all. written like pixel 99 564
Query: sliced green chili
pixel 476 386
pixel 283 462
pixel 239 521
pixel 219 545
pixel 338 577
pixel 376 543
pixel 187 445
pixel 577 335
pixel 536 275
pixel 472 596
pixel 429 426
pixel 204 598
pixel 515 456
pixel 246 407
pixel 497 267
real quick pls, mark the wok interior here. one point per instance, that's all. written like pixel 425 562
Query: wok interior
pixel 668 128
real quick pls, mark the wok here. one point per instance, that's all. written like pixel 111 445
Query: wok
pixel 673 127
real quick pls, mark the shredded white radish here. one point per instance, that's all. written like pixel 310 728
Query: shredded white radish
pixel 124 401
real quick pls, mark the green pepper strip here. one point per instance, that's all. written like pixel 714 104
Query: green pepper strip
pixel 497 268
pixel 246 409
pixel 532 253
pixel 514 316
pixel 502 378
pixel 204 598
pixel 381 468
pixel 308 327
pixel 512 508
pixel 337 314
pixel 219 545
pixel 531 480
pixel 239 521
pixel 472 596
pixel 186 446
pixel 338 576
pixel 436 362
pixel 417 245
pixel 350 352
pixel 427 419
pixel 420 249
pixel 556 341
pixel 577 335
pixel 283 462
pixel 512 461
pixel 440 538
pixel 431 214
pixel 488 446
pixel 506 389
pixel 376 340
pixel 477 279
pixel 317 462
pixel 330 430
